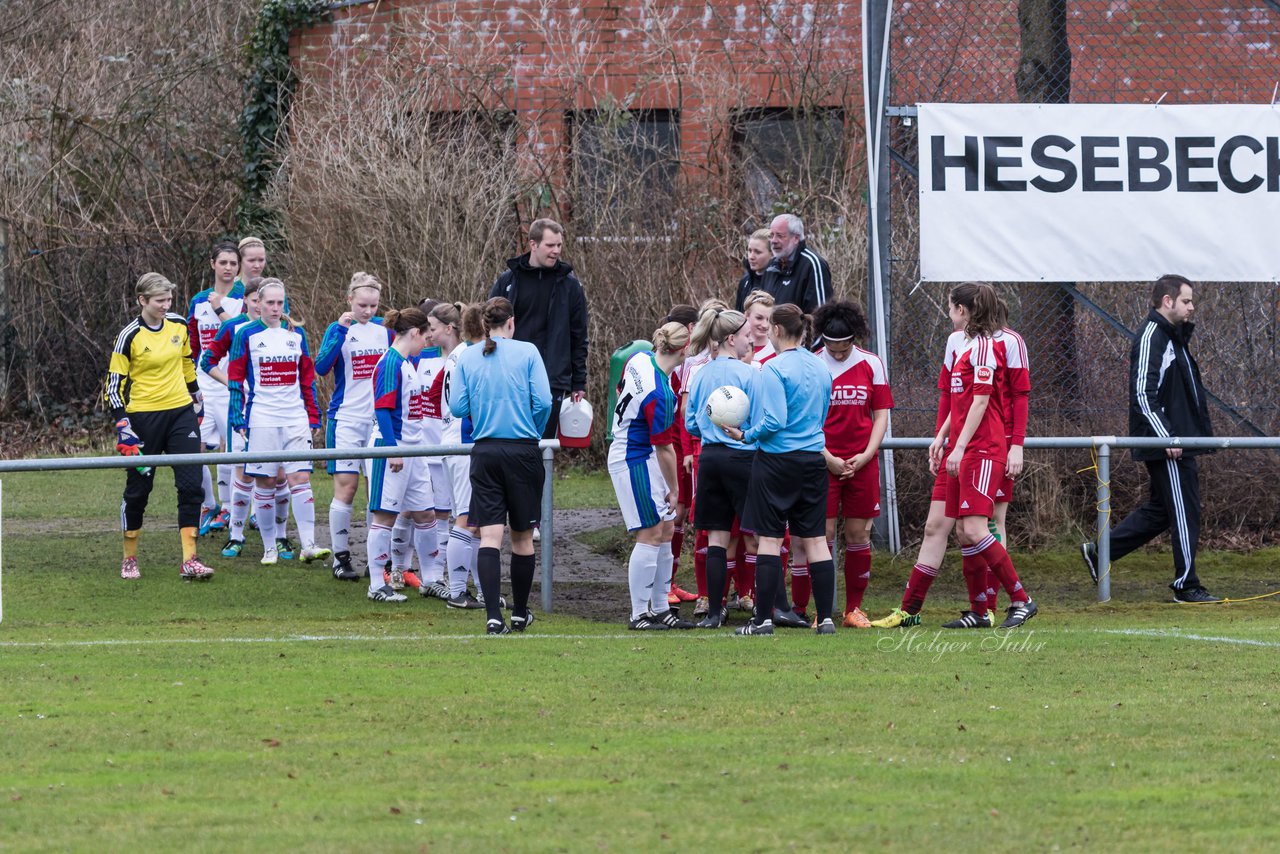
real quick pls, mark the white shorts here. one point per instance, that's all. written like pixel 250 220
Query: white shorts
pixel 440 485
pixel 215 427
pixel 641 493
pixel 347 434
pixel 401 491
pixel 458 469
pixel 295 437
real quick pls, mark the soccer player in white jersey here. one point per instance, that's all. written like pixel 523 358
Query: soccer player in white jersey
pixel 431 366
pixel 642 463
pixel 205 315
pixel 856 422
pixel 398 485
pixel 273 403
pixel 351 348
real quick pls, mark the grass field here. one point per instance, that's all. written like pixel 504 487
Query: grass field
pixel 278 710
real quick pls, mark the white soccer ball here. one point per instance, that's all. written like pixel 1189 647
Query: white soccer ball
pixel 728 406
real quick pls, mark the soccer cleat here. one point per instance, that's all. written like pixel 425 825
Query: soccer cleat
pixel 702 607
pixel 1019 613
pixel 991 615
pixel 789 620
pixel 342 569
pixel 253 521
pixel 714 621
pixel 647 623
pixel 386 594
pixel 670 619
pixel 1189 596
pixel 270 558
pixel 464 601
pixel 496 627
pixel 1089 554
pixel 129 568
pixel 856 619
pixel 285 548
pixel 502 600
pixel 411 579
pixel 233 548
pixel 746 603
pixel 397 579
pixel 731 604
pixel 207 517
pixel 673 599
pixel 537 534
pixel 194 570
pixel 315 553
pixel 682 594
pixel 221 521
pixel 897 618
pixel 519 624
pixel 970 620
pixel 435 590
pixel 826 627
pixel 765 628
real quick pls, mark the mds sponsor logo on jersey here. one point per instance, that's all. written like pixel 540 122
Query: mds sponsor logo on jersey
pixel 850 395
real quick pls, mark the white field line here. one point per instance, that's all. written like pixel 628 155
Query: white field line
pixel 1168 634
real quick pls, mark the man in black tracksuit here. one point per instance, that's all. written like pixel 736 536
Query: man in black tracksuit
pixel 551 312
pixel 797 274
pixel 1166 400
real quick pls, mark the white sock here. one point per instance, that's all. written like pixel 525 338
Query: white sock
pixel 402 543
pixel 662 578
pixel 264 507
pixel 303 501
pixel 340 525
pixel 241 505
pixel 378 549
pixel 471 561
pixel 210 500
pixel 225 474
pixel 282 510
pixel 640 571
pixel 459 559
pixel 440 564
pixel 427 545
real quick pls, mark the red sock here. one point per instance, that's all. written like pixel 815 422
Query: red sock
pixel 998 560
pixel 918 587
pixel 745 578
pixel 857 574
pixel 801 587
pixel 975 579
pixel 993 589
pixel 700 562
pixel 677 547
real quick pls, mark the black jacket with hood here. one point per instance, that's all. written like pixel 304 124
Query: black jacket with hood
pixel 564 345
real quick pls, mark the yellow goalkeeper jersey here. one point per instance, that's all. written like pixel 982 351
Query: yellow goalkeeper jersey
pixel 151 369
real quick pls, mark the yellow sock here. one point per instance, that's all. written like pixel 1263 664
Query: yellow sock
pixel 188 544
pixel 131 543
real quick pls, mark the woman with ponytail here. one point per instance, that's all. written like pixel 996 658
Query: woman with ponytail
pixel 642 463
pixel 502 386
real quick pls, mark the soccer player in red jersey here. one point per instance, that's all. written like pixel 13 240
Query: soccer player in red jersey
pixel 1014 377
pixel 688 315
pixel 973 442
pixel 856 422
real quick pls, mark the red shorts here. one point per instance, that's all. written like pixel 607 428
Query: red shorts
pixel 1004 491
pixel 857 497
pixel 940 485
pixel 685 491
pixel 973 492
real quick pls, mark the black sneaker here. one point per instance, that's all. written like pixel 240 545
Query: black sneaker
pixel 789 619
pixel 1019 613
pixel 826 627
pixel 519 624
pixel 714 621
pixel 342 569
pixel 970 620
pixel 647 623
pixel 464 601
pixel 672 620
pixel 434 590
pixel 496 627
pixel 751 628
pixel 1194 596
pixel 1089 554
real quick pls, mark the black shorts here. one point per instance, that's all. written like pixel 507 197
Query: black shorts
pixel 787 489
pixel 724 477
pixel 506 483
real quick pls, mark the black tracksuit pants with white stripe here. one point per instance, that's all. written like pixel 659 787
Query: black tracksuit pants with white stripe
pixel 1173 506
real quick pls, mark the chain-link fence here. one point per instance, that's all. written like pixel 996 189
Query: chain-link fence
pixel 1077 333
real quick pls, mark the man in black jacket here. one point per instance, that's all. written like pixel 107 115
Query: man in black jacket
pixel 551 312
pixel 797 274
pixel 1167 401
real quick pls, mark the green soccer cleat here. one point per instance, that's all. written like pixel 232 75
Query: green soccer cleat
pixel 897 619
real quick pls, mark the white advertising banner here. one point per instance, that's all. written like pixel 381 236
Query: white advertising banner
pixel 1099 192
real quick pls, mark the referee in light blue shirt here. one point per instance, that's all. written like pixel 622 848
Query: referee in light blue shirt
pixel 502 386
pixel 789 475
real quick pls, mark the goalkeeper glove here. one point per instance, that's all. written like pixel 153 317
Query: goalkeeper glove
pixel 197 401
pixel 127 441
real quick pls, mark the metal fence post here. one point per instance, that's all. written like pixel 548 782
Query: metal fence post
pixel 548 524
pixel 1104 518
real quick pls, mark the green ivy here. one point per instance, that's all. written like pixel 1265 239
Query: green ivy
pixel 269 87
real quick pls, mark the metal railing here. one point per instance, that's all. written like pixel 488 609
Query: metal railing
pixel 548 447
